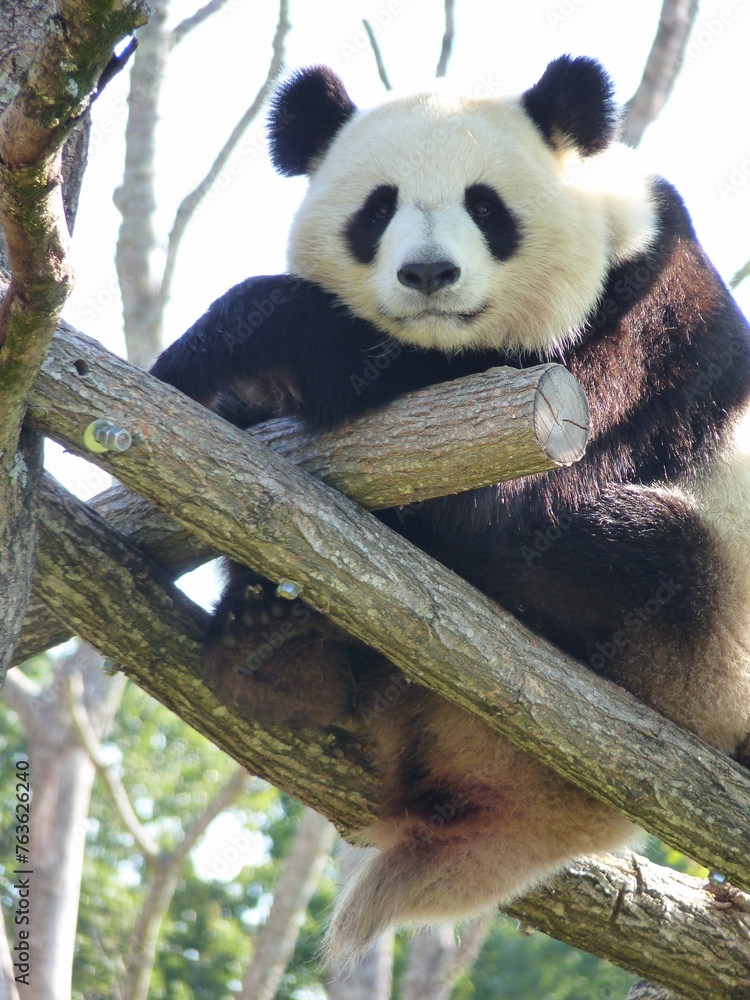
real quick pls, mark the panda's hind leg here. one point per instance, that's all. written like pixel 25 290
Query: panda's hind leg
pixel 276 658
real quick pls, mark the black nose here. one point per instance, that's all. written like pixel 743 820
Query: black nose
pixel 428 278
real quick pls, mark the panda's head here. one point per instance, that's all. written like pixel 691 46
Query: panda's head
pixel 465 222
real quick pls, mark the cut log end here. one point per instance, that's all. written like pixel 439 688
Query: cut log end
pixel 561 416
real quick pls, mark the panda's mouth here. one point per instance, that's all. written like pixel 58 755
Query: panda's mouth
pixel 439 314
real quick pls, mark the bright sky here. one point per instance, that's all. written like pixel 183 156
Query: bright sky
pixel 701 141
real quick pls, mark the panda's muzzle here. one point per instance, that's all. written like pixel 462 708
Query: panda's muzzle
pixel 429 277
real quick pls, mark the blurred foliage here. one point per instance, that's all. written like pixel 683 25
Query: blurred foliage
pixel 513 966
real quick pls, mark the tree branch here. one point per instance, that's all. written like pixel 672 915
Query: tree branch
pixel 457 436
pixel 382 71
pixel 55 91
pixel 155 633
pixel 447 46
pixel 190 202
pixel 651 920
pixel 663 66
pixel 54 94
pixel 189 24
pixel 109 777
pixel 135 197
pixel 740 275
pixel 20 694
pixel 167 868
pixel 265 513
pixel 310 765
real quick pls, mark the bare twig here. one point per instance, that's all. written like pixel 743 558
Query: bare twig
pixel 739 276
pixel 382 72
pixel 447 46
pixel 166 870
pixel 190 23
pixel 109 777
pixel 190 202
pixel 663 66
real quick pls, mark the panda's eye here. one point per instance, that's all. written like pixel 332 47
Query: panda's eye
pixel 382 210
pixel 381 204
pixel 481 209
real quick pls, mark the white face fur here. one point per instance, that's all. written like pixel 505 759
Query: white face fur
pixel 568 224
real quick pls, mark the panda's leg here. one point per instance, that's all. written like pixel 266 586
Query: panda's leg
pixel 650 586
pixel 281 661
pixel 477 823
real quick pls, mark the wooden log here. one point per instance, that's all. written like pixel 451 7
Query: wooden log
pixel 460 435
pixel 265 513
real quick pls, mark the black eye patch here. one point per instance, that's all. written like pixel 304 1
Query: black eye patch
pixel 494 221
pixel 365 228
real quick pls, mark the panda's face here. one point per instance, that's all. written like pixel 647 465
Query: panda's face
pixel 454 223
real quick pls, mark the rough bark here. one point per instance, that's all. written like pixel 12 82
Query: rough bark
pixel 274 942
pixel 651 991
pixel 656 922
pixel 663 66
pixel 56 89
pixel 114 596
pixel 262 511
pixel 19 504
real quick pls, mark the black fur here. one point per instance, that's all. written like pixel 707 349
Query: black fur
pixel 366 227
pixel 306 113
pixel 494 220
pixel 666 335
pixel 574 100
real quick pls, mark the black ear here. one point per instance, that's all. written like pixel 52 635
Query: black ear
pixel 573 103
pixel 306 113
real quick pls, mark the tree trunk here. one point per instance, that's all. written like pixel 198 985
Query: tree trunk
pixel 62 775
pixel 275 940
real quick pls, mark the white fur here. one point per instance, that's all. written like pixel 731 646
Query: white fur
pixel 432 147
pixel 720 711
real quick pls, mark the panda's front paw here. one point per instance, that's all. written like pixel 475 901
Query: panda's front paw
pixel 251 624
pixel 276 658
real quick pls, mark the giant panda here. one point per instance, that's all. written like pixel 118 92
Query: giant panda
pixel 446 236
